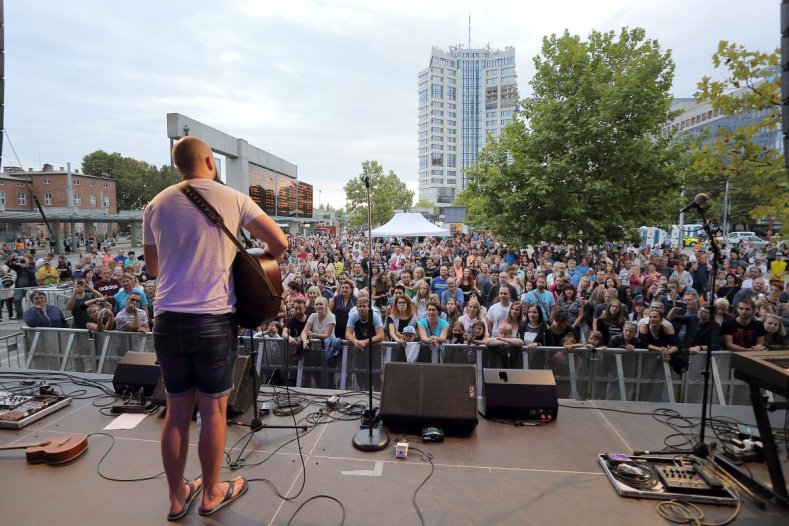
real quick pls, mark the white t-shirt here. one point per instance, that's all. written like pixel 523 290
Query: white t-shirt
pixel 498 313
pixel 319 327
pixel 195 255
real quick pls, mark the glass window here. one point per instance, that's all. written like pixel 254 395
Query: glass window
pixel 286 197
pixel 423 161
pixel 438 113
pixel 46 181
pixel 77 199
pixel 47 199
pixel 106 201
pixel 92 200
pixel 451 160
pixel 438 91
pixel 423 97
pixel 437 159
pixel 263 188
pixel 76 182
pixel 2 198
pixel 451 93
pixel 92 184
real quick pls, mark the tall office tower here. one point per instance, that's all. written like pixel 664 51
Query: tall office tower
pixel 464 96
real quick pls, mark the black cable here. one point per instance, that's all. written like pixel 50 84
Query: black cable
pixel 426 457
pixel 342 508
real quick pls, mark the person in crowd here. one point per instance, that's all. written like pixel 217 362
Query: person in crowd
pixel 439 283
pixel 128 286
pixel 775 336
pixel 65 272
pixel 107 285
pixel 401 314
pixel 540 297
pixel 451 313
pixel 42 314
pixel 707 330
pixel 556 330
pixel 628 339
pixel 320 326
pixel 341 305
pixel 294 327
pixel 498 312
pixel 7 279
pixel 132 318
pixel 47 275
pixel 77 303
pixel 433 331
pixel 658 339
pixel 313 293
pixel 507 347
pixel 88 276
pixel 730 289
pixel 456 333
pixel 757 289
pixel 451 291
pixel 483 278
pixel 99 319
pixel 357 330
pixel 471 314
pixel 533 327
pixel 467 284
pixel 149 289
pixel 421 299
pixel 611 322
pixel 744 333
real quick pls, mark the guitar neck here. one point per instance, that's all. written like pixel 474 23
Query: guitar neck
pixel 25 446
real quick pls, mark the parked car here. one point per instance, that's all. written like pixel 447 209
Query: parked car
pixel 746 238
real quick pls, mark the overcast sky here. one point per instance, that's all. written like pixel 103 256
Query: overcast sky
pixel 323 84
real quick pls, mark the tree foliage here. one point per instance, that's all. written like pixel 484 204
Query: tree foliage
pixel 750 90
pixel 585 160
pixel 387 193
pixel 137 182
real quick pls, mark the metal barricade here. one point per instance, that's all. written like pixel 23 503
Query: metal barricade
pixel 60 349
pixel 12 350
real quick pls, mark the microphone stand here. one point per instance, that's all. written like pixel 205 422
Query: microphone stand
pixel 374 438
pixel 701 449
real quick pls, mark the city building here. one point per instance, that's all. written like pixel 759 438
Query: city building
pixel 465 96
pixel 272 182
pixel 72 202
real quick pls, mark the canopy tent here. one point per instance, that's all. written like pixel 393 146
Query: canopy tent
pixel 409 224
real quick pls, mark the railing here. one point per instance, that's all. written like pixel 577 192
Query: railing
pixel 613 374
pixel 12 350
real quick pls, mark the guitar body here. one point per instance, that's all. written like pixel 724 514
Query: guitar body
pixel 258 285
pixel 58 450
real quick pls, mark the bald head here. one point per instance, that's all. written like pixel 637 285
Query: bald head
pixel 194 158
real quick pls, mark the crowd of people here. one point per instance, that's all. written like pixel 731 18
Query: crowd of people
pixel 469 289
pixel 108 291
pixel 474 289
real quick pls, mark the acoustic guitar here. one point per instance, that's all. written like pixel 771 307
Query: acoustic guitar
pixel 54 451
pixel 258 285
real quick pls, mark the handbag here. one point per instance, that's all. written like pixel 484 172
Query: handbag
pixel 256 278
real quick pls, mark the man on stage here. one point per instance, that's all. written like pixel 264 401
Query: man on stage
pixel 194 327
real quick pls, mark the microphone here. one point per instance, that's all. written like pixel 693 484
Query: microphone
pixel 698 202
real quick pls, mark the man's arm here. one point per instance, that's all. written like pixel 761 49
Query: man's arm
pixel 151 260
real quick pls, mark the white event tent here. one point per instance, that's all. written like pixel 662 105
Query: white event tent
pixel 405 224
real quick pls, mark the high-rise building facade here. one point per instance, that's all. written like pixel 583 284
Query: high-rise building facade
pixel 465 95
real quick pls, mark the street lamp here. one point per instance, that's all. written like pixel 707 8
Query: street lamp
pixel 186 130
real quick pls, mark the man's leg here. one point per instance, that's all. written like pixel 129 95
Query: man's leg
pixel 19 295
pixel 213 414
pixel 175 446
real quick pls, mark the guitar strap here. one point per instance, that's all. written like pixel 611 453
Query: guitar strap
pixel 206 207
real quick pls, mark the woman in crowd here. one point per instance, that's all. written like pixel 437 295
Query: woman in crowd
pixel 707 328
pixel 313 293
pixel 451 313
pixel 401 314
pixel 42 314
pixel 457 269
pixel 515 317
pixel 100 319
pixel 433 331
pixel 467 284
pixel 515 281
pixel 89 276
pixel 730 289
pixel 418 275
pixel 612 320
pixel 321 326
pixel 533 326
pixel 775 332
pixel 421 299
pixel 471 314
pixel 657 338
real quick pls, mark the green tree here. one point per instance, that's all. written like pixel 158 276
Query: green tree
pixel 387 193
pixel 423 203
pixel 137 182
pixel 586 159
pixel 751 90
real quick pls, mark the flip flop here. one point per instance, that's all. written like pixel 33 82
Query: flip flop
pixel 193 492
pixel 228 498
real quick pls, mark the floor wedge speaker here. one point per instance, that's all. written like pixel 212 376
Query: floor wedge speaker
pixel 136 370
pixel 417 395
pixel 140 369
pixel 517 394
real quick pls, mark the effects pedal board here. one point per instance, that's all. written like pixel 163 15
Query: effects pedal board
pixel 18 410
pixel 688 478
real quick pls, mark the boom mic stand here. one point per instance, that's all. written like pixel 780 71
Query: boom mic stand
pixel 373 438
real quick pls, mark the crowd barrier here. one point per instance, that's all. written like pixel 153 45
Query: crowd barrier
pixel 582 374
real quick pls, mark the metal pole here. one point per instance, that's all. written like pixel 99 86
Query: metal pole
pixel 726 208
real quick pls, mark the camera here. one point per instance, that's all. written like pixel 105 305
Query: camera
pixel 680 304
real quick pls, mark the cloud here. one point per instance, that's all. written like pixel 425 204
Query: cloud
pixel 323 84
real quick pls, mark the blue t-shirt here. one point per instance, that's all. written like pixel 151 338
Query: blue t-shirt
pixel 438 285
pixel 437 332
pixel 121 295
pixel 353 319
pixel 545 300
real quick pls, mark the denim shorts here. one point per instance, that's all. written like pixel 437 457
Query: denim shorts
pixel 196 351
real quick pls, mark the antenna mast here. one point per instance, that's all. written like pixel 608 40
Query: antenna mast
pixel 469 29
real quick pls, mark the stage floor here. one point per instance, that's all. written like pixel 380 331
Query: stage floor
pixel 501 474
